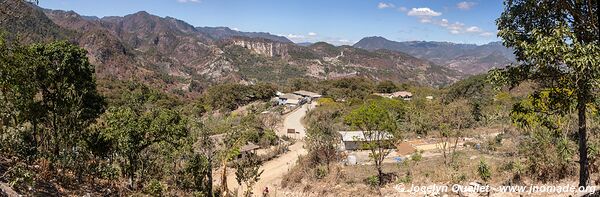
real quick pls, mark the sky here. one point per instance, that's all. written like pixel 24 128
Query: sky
pixel 340 22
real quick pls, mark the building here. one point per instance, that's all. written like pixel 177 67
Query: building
pixel 307 95
pixel 290 99
pixel 353 140
pixel 402 94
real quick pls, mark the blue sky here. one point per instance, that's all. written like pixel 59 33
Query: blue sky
pixel 333 21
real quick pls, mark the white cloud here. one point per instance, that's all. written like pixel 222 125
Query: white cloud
pixel 454 32
pixel 312 34
pixel 444 22
pixel 465 5
pixel 383 5
pixel 188 1
pixel 294 36
pixel 423 12
pixel 474 29
pixel 486 34
pixel 402 9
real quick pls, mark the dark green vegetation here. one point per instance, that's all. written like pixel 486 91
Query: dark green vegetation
pixel 558 47
pixel 126 139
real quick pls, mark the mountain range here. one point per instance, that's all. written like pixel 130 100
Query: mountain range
pixel 466 58
pixel 174 56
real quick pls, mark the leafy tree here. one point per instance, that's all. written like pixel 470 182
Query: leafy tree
pixel 379 125
pixel 248 171
pixel 386 87
pixel 134 131
pixel 50 87
pixel 321 137
pixel 69 101
pixel 557 44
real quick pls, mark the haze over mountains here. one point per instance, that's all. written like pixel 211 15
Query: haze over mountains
pixel 175 56
pixel 467 58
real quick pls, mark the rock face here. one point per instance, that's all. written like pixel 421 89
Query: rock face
pixel 467 58
pixel 170 54
pixel 263 47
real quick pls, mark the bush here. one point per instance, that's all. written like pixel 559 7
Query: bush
pixel 484 171
pixel 372 181
pixel 406 178
pixel 155 188
pixel 20 177
pixel 320 172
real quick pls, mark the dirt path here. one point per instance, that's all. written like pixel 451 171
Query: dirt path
pixel 276 168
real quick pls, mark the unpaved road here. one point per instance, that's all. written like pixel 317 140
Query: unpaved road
pixel 294 121
pixel 275 169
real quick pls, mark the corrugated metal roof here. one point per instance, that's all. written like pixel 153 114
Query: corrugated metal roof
pixel 354 136
pixel 307 93
pixel 290 96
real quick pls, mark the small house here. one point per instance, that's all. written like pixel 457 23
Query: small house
pixel 290 99
pixel 353 140
pixel 402 94
pixel 307 95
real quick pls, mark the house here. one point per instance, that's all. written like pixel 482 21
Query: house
pixel 353 140
pixel 308 95
pixel 385 95
pixel 290 99
pixel 402 94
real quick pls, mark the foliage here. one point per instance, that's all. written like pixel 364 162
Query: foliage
pixel 48 98
pixel 321 136
pixel 248 171
pixel 386 87
pixel 484 171
pixel 232 96
pixel 378 120
pixel 133 131
pixel 557 45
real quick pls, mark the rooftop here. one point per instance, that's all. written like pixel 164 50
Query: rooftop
pixel 358 136
pixel 307 93
pixel 290 96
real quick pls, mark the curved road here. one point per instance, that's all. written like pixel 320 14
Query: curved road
pixel 275 169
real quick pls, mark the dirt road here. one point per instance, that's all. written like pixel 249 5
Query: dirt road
pixel 276 168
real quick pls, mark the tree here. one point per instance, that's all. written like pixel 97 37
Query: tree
pixel 50 87
pixel 321 137
pixel 69 102
pixel 134 131
pixel 248 171
pixel 378 120
pixel 557 44
pixel 386 87
pixel 202 154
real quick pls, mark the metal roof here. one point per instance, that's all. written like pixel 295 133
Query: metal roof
pixel 307 93
pixel 290 96
pixel 358 136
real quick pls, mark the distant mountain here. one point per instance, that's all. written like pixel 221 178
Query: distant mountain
pixel 304 44
pixel 467 58
pixel 220 33
pixel 172 55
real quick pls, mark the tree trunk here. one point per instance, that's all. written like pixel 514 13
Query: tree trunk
pixel 583 160
pixel 380 174
pixel 209 185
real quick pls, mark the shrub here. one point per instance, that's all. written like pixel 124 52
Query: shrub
pixel 372 181
pixel 484 171
pixel 155 188
pixel 320 172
